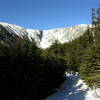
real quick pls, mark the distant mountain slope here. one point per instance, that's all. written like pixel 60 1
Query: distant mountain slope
pixel 44 38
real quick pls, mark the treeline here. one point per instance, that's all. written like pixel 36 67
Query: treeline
pixel 25 74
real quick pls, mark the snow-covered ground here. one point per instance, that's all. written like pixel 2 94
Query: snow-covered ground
pixel 74 89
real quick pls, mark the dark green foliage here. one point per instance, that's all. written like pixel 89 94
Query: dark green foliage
pixel 88 61
pixel 25 74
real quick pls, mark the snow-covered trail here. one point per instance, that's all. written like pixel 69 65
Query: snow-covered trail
pixel 73 89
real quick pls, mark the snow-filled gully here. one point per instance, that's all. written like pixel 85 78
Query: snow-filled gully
pixel 74 89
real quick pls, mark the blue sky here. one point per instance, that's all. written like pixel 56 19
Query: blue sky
pixel 47 14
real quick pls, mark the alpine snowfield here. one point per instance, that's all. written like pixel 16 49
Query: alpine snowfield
pixel 75 89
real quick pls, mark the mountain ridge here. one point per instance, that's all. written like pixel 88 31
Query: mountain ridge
pixel 45 38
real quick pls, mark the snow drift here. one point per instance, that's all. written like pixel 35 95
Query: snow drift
pixel 75 88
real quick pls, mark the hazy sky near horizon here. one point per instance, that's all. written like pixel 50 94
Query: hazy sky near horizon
pixel 47 14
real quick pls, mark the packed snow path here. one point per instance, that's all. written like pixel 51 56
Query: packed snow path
pixel 73 89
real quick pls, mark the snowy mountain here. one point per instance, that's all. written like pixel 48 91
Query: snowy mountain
pixel 44 38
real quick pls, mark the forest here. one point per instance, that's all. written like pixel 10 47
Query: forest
pixel 28 72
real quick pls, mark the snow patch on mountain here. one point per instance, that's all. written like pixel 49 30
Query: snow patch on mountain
pixel 62 35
